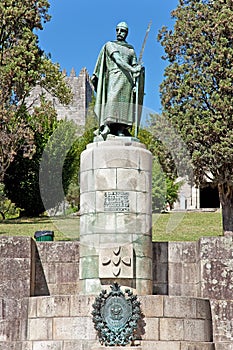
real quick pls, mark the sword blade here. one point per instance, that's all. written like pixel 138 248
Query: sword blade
pixel 144 43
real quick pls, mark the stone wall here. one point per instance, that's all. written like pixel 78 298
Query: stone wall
pixel 82 90
pixel 199 269
pixel 65 323
pixel 56 268
pixel 50 270
pixel 17 267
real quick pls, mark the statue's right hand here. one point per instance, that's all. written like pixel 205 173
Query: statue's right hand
pixel 137 70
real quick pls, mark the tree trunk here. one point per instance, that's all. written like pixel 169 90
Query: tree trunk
pixel 226 200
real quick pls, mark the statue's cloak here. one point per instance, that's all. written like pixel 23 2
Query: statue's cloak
pixel 115 87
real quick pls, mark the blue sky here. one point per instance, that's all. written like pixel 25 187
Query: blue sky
pixel 78 29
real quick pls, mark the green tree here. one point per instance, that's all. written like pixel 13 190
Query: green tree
pixel 164 188
pixel 53 141
pixel 86 136
pixel 158 187
pixel 197 92
pixel 22 66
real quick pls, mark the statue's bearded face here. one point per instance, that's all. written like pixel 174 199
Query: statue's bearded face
pixel 121 33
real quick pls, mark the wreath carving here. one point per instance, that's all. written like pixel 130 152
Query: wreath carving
pixel 116 316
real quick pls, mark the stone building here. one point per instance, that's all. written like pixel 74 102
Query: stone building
pixel 82 94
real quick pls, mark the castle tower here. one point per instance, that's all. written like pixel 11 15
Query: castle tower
pixel 82 90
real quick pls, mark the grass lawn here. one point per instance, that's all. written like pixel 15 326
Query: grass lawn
pixel 186 226
pixel 174 226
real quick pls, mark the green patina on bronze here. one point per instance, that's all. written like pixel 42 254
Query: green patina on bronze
pixel 114 80
pixel 116 316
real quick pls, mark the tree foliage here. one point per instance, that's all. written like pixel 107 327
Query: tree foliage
pixel 22 66
pixel 55 156
pixel 164 188
pixel 197 92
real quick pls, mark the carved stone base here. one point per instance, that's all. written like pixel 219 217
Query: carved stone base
pixel 115 216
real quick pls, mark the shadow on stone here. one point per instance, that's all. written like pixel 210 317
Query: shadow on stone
pixel 41 286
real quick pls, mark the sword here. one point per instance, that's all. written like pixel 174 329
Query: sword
pixel 140 62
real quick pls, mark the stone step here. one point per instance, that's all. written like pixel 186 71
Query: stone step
pixel 95 345
pixel 152 306
pixel 164 319
pixel 224 346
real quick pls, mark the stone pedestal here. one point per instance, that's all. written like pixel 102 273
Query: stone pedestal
pixel 115 223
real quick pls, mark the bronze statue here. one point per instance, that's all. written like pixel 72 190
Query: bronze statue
pixel 114 81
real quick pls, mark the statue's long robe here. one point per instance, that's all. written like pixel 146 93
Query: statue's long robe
pixel 115 97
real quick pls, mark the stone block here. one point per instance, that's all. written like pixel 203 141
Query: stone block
pixel 58 251
pixel 189 273
pixel 86 160
pixel 160 252
pixel 197 346
pixel 27 345
pixel 160 345
pixel 179 307
pixel 87 203
pixel 217 278
pixel 81 305
pixel 67 273
pixel 13 319
pixel 175 273
pixel 87 181
pixel 47 345
pixel 89 267
pixel 151 305
pixel 40 329
pixel 203 309
pixel 197 330
pixel 160 272
pixel 115 156
pixel 143 268
pixel 142 224
pixel 143 246
pixel 222 315
pixel 104 179
pixel 174 289
pixel 132 180
pixel 32 307
pixel 71 328
pixel 56 306
pixel 151 329
pixel 145 160
pixel 15 345
pixel 210 248
pixel 94 223
pixel 116 262
pixel 223 346
pixel 183 289
pixel 64 289
pixel 17 267
pixel 171 329
pixel 143 286
pixel 160 289
pixel 189 252
pixel 175 252
pixel 144 203
pixel 15 247
pixel 80 344
pixel 90 286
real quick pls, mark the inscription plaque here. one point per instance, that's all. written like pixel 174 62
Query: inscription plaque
pixel 116 201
